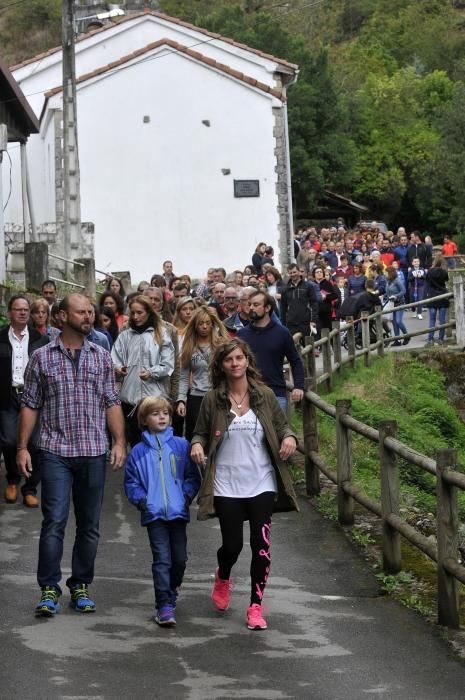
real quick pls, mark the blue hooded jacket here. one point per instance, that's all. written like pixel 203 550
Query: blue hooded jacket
pixel 160 478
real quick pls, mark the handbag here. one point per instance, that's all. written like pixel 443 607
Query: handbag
pixel 388 306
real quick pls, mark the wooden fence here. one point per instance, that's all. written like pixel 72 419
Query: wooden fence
pixel 445 552
pixel 333 344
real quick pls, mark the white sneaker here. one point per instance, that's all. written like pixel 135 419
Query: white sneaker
pixel 420 317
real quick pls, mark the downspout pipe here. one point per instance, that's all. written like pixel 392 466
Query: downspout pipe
pixel 290 209
pixel 30 203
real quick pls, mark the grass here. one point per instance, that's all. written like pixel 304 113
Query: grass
pixel 412 393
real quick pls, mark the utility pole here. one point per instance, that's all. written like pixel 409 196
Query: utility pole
pixel 71 185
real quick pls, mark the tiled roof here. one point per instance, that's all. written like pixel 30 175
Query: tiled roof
pixel 167 18
pixel 176 48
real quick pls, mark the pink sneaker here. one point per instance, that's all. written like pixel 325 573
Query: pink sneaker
pixel 255 620
pixel 220 592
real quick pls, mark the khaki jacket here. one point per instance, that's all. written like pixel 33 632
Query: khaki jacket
pixel 213 422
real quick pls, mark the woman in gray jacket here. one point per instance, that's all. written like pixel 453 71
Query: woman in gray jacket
pixel 143 356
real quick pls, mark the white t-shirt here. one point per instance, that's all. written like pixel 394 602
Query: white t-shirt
pixel 243 465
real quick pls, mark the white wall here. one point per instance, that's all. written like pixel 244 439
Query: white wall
pixel 156 191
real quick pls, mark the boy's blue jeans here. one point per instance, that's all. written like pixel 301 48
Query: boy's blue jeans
pixel 84 479
pixel 168 542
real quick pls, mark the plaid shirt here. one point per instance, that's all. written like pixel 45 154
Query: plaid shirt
pixel 72 402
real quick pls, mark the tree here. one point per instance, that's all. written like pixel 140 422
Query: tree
pixel 29 28
pixel 321 150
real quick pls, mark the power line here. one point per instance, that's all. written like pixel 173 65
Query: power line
pixel 117 69
pixel 11 184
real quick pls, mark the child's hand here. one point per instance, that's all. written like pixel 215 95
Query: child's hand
pixel 142 505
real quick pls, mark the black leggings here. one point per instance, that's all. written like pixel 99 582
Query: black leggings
pixel 193 404
pixel 232 512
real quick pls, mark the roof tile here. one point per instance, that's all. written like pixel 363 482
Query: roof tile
pixel 167 18
pixel 175 46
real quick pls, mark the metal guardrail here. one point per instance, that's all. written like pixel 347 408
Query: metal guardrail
pixel 70 284
pixel 72 262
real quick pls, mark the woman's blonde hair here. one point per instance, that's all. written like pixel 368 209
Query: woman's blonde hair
pixel 150 404
pixel 217 333
pixel 177 321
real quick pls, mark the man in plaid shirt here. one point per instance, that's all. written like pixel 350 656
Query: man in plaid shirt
pixel 71 382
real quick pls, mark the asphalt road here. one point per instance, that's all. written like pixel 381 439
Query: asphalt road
pixel 330 637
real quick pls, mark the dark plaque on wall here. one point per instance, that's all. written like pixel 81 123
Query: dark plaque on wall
pixel 246 188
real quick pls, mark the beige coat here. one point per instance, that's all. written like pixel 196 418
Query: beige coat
pixel 213 422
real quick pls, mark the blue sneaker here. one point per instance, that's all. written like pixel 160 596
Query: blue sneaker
pixel 165 616
pixel 48 604
pixel 80 600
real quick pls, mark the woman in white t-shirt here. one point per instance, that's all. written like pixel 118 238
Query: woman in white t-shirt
pixel 243 431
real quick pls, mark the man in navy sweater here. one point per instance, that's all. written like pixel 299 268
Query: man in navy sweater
pixel 271 343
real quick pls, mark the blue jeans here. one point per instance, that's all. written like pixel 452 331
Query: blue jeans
pixel 433 315
pixel 282 400
pixel 168 542
pixel 397 322
pixel 84 478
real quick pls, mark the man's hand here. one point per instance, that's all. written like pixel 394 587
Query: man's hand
pixel 297 395
pixel 24 462
pixel 288 447
pixel 118 456
pixel 313 329
pixel 181 409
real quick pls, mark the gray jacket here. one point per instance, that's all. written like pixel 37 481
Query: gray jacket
pixel 138 351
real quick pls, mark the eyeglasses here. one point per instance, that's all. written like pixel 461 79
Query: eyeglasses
pixel 230 298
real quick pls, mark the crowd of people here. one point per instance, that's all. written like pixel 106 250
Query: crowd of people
pixel 189 376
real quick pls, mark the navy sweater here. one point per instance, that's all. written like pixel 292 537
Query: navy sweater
pixel 270 346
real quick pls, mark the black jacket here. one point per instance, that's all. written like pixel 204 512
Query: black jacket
pixel 36 340
pixel 420 251
pixel 436 285
pixel 299 304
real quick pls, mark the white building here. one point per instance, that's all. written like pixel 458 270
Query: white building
pixel 170 118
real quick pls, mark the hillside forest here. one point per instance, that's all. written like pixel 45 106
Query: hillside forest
pixel 378 111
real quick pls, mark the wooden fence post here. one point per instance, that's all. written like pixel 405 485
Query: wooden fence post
pixel 392 556
pixel 351 341
pixel 447 535
pixel 379 332
pixel 459 310
pixel 337 348
pixel 310 428
pixel 345 503
pixel 326 348
pixel 366 338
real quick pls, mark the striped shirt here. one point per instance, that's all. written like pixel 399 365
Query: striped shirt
pixel 72 400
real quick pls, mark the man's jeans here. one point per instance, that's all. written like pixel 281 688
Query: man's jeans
pixel 168 542
pixel 84 478
pixel 282 400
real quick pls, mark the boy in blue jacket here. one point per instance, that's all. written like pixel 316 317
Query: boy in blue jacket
pixel 161 480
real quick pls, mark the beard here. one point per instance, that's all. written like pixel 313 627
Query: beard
pixel 255 316
pixel 83 327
